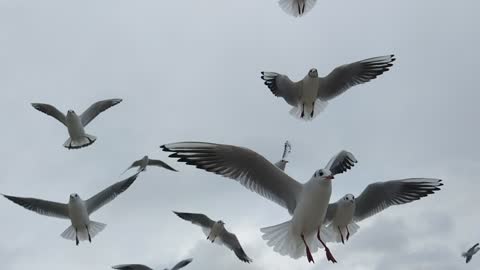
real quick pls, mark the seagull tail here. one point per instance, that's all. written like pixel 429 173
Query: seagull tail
pixel 93 228
pixel 334 233
pixel 309 111
pixel 79 143
pixel 283 241
pixel 296 8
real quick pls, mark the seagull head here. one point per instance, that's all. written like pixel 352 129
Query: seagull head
pixel 323 174
pixel 313 73
pixel 74 196
pixel 221 222
pixel 349 198
pixel 70 112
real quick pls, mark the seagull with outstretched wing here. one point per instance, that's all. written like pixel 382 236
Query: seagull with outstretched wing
pixel 179 265
pixel 310 96
pixel 470 252
pixel 77 210
pixel 76 123
pixel 307 202
pixel 216 233
pixel 342 215
pixel 146 161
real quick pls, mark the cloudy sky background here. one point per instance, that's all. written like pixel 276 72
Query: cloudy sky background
pixel 189 70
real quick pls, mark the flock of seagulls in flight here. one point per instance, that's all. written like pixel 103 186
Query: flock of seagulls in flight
pixel 314 222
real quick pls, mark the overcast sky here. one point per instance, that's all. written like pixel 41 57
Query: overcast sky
pixel 190 70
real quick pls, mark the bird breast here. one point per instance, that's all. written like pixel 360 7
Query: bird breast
pixel 75 126
pixel 78 213
pixel 310 89
pixel 344 215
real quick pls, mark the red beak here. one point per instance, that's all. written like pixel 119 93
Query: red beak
pixel 330 177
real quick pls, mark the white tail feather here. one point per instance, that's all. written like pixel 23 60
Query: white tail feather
pixel 79 143
pixel 334 233
pixel 93 228
pixel 296 8
pixel 286 243
pixel 307 110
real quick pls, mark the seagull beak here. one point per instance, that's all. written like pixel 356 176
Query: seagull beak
pixel 330 177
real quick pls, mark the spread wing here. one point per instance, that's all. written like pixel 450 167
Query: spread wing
pixel 96 108
pixel 381 195
pixel 231 241
pixel 107 195
pixel 197 219
pixel 52 111
pixel 243 165
pixel 182 264
pixel 46 208
pixel 159 163
pixel 131 267
pixel 341 162
pixel 346 76
pixel 282 86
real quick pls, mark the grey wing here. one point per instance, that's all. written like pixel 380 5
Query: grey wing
pixel 159 163
pixel 46 208
pixel 52 111
pixel 197 219
pixel 346 76
pixel 107 195
pixel 331 211
pixel 341 162
pixel 468 258
pixel 243 165
pixel 182 264
pixel 470 250
pixel 136 163
pixel 381 195
pixel 96 108
pixel 231 241
pixel 131 267
pixel 282 86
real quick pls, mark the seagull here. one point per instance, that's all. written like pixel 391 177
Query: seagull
pixel 468 255
pixel 216 233
pixel 179 265
pixel 343 214
pixel 307 202
pixel 310 96
pixel 281 164
pixel 77 210
pixel 76 123
pixel 145 161
pixel 296 8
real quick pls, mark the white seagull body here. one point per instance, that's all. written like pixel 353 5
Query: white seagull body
pixel 307 203
pixel 310 96
pixel 470 252
pixel 343 215
pixel 281 164
pixel 296 8
pixel 77 210
pixel 146 161
pixel 216 233
pixel 179 265
pixel 76 123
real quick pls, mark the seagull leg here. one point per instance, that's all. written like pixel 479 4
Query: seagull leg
pixel 299 9
pixel 303 8
pixel 303 110
pixel 313 104
pixel 327 250
pixel 309 254
pixel 88 232
pixel 341 235
pixel 76 236
pixel 348 233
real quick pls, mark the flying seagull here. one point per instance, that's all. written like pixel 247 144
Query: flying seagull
pixel 179 265
pixel 296 8
pixel 77 210
pixel 76 123
pixel 216 233
pixel 343 214
pixel 307 202
pixel 145 161
pixel 310 96
pixel 281 164
pixel 468 255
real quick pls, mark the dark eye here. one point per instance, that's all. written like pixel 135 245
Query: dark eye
pixel 320 173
